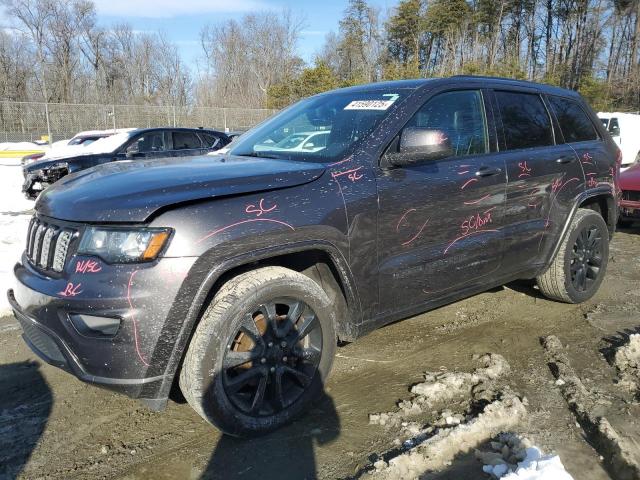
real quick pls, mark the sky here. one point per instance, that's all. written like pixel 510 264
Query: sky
pixel 182 20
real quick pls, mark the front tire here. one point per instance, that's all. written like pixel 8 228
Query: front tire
pixel 261 352
pixel 576 273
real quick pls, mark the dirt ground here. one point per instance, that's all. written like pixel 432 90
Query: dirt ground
pixel 54 426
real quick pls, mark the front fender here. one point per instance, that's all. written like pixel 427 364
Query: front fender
pixel 200 282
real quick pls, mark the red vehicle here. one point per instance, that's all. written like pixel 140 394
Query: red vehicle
pixel 630 203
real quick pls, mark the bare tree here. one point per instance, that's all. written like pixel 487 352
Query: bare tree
pixel 246 58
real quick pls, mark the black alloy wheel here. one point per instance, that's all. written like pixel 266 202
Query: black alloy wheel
pixel 273 357
pixel 586 258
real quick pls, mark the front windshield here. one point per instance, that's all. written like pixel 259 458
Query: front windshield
pixel 291 142
pixel 319 129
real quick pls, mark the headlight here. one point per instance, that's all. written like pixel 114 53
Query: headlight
pixel 117 245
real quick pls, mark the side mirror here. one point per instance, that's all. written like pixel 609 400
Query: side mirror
pixel 419 145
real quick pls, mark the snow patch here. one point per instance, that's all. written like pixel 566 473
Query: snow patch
pixel 440 449
pixel 21 146
pixel 627 362
pixel 15 213
pixel 443 387
pixel 516 458
pixel 446 385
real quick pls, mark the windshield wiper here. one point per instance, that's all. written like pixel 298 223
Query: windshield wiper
pixel 258 155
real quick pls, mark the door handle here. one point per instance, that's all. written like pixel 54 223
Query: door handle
pixel 488 171
pixel 563 160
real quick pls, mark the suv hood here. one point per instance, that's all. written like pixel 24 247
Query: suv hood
pixel 131 191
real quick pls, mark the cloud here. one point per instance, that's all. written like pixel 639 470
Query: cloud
pixel 172 8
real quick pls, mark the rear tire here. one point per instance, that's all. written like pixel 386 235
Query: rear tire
pixel 261 352
pixel 576 273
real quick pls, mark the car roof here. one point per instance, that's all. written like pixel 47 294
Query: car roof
pixel 179 129
pixel 457 80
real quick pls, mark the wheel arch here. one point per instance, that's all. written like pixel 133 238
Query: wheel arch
pixel 320 261
pixel 601 200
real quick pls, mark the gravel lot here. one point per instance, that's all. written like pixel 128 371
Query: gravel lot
pixel 54 426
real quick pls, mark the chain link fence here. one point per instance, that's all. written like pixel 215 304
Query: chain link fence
pixel 27 121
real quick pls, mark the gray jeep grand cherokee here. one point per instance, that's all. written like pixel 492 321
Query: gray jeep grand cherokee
pixel 236 275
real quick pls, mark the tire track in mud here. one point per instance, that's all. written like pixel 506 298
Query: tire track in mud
pixel 617 453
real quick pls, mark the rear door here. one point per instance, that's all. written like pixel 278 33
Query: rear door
pixel 543 175
pixel 185 142
pixel 440 222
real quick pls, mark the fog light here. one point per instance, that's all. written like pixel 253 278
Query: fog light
pixel 92 326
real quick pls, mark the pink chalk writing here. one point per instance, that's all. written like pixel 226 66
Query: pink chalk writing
pixel 592 182
pixel 71 290
pixel 242 222
pixel 417 234
pixel 412 239
pixel 88 266
pixel 586 159
pixel 260 209
pixel 404 215
pixel 525 170
pixel 481 199
pixel 475 232
pixel 476 222
pixel 133 320
pixel 468 182
pixel 340 162
pixel 555 188
pixel 351 174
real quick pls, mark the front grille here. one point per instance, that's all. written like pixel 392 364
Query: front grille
pixel 48 245
pixel 631 195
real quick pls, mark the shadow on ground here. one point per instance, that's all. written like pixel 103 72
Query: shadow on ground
pixel 25 406
pixel 286 453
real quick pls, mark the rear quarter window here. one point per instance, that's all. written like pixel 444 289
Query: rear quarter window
pixel 525 120
pixel 574 122
pixel 210 140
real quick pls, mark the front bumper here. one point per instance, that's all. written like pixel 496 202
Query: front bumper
pixel 629 210
pixel 52 349
pixel 133 361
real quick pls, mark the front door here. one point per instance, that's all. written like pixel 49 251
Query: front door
pixel 440 221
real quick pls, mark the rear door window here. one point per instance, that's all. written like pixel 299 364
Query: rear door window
pixel 525 120
pixel 185 141
pixel 574 122
pixel 614 127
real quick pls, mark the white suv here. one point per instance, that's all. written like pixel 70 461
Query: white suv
pixel 625 130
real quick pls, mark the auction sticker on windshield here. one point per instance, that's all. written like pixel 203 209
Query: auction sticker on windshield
pixel 372 104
